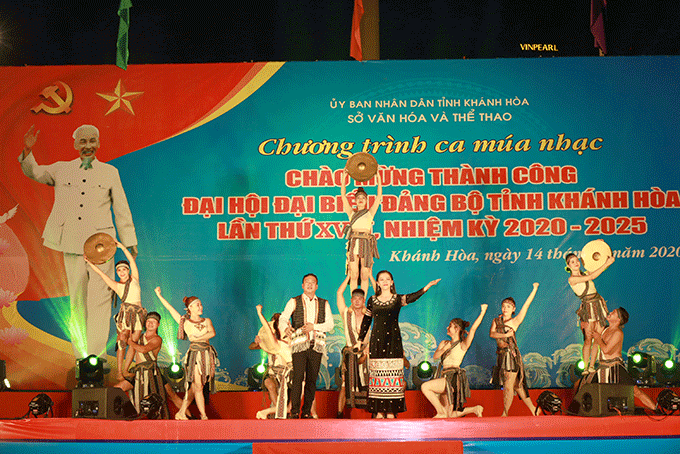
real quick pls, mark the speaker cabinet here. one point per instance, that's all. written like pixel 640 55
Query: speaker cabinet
pixel 101 403
pixel 602 399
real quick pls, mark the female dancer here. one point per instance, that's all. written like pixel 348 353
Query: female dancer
pixel 199 362
pixel 131 317
pixel 509 370
pixel 592 313
pixel 277 346
pixel 453 386
pixel 386 353
pixel 362 247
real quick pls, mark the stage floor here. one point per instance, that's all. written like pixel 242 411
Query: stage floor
pixel 517 434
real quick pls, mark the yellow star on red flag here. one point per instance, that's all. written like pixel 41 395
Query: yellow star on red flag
pixel 120 98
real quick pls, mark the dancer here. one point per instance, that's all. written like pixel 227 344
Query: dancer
pixel 611 368
pixel 453 386
pixel 362 247
pixel 592 313
pixel 509 370
pixel 354 370
pixel 199 362
pixel 312 319
pixel 386 353
pixel 280 364
pixel 130 319
pixel 147 377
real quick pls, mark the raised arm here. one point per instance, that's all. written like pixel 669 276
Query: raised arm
pixel 523 312
pixel 30 138
pixel 167 305
pixel 340 297
pixel 591 276
pixel 413 297
pixel 346 206
pixel 378 198
pixel 134 271
pixel 473 329
pixel 110 282
pixel 267 332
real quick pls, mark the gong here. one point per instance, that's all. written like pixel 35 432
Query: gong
pixel 594 254
pixel 99 248
pixel 362 166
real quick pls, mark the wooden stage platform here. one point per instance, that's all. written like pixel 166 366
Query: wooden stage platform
pixel 488 434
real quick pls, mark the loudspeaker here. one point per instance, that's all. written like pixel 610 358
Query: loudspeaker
pixel 603 399
pixel 102 403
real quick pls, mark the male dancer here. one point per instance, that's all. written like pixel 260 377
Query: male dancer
pixel 611 368
pixel 354 364
pixel 311 320
pixel 147 378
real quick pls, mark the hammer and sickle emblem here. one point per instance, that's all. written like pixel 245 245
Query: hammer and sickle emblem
pixel 51 93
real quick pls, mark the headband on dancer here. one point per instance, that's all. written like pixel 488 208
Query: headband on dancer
pixel 123 263
pixel 154 315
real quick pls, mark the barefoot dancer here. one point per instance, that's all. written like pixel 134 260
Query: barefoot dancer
pixel 131 317
pixel 592 313
pixel 453 386
pixel 509 371
pixel 199 363
pixel 362 247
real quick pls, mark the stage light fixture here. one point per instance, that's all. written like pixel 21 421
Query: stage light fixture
pixel 255 375
pixel 422 373
pixel 576 371
pixel 151 405
pixel 668 401
pixel 175 371
pixel 425 370
pixel 40 405
pixel 642 368
pixel 90 372
pixel 668 373
pixel 549 402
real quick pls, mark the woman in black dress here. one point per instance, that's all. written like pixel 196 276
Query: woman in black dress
pixel 386 354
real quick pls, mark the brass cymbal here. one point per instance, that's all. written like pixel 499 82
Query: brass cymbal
pixel 362 166
pixel 594 254
pixel 99 248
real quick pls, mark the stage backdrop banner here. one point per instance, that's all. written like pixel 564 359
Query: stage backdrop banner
pixel 492 172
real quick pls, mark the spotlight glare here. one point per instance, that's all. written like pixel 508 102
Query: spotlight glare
pixel 637 358
pixel 581 366
pixel 260 369
pixel 424 370
pixel 668 364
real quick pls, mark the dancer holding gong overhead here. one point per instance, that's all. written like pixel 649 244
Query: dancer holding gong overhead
pixel 362 246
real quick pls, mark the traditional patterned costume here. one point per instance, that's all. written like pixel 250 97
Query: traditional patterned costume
pixel 307 348
pixel 457 385
pixel 200 357
pixel 386 353
pixel 361 244
pixel 356 374
pixel 131 315
pixel 280 366
pixel 593 306
pixel 148 380
pixel 508 358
